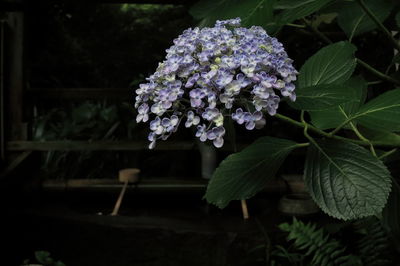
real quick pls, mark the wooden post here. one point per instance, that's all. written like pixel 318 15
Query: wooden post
pixel 2 109
pixel 15 76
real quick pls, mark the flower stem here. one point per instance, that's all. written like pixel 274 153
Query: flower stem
pixel 379 24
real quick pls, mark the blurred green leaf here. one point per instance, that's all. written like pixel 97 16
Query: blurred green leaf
pixel 354 21
pixel 252 12
pixel 243 174
pixel 43 257
pixel 396 58
pixel 108 114
pixel 83 112
pixel 299 9
pixel 346 180
pixel 322 97
pixel 398 19
pixel 333 64
pixel 333 117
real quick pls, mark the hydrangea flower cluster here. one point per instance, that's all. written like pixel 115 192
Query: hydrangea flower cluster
pixel 212 73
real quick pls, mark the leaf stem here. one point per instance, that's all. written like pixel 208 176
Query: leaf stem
pixel 386 154
pixel 301 145
pixel 377 72
pixel 299 124
pixel 296 25
pixel 317 32
pixel 305 131
pixel 379 24
pixel 370 83
pixel 361 137
pixel 329 135
pixel 339 127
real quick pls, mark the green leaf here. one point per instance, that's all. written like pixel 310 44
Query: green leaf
pixel 378 135
pixel 243 174
pixel 398 19
pixel 346 180
pixel 354 21
pixel 252 12
pixel 321 97
pixel 382 112
pixel 332 64
pixel 298 9
pixel 333 117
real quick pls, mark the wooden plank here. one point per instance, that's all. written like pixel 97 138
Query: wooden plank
pixel 108 146
pixel 81 93
pixel 160 2
pixel 167 182
pixel 95 146
pixel 276 185
pixel 117 146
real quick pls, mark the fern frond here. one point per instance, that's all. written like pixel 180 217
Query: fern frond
pixel 374 245
pixel 323 249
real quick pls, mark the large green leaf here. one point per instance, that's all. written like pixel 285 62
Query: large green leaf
pixel 346 180
pixel 354 21
pixel 252 12
pixel 333 64
pixel 322 97
pixel 243 174
pixel 382 112
pixel 333 117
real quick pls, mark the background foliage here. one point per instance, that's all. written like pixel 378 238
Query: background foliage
pixel 348 108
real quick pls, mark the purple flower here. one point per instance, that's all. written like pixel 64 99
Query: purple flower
pixel 143 113
pixel 224 77
pixel 207 76
pixel 201 133
pixel 192 80
pixel 230 62
pixel 196 97
pixel 250 120
pixel 192 119
pixel 210 113
pixel 216 134
pixel 207 72
pixel 230 22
